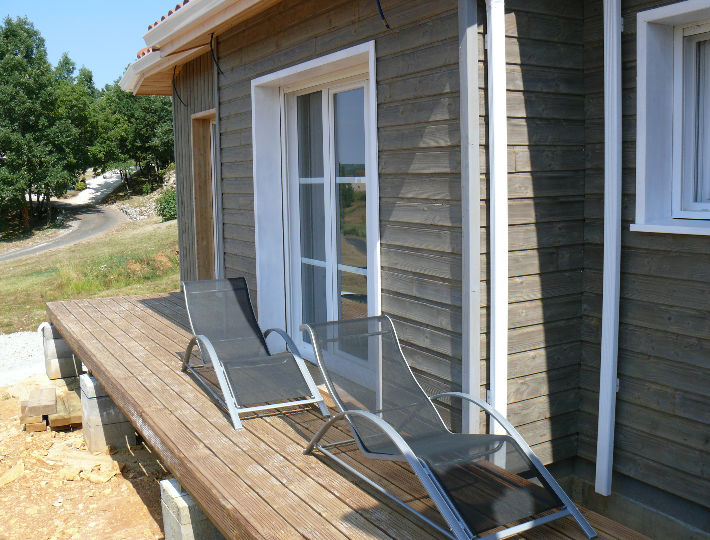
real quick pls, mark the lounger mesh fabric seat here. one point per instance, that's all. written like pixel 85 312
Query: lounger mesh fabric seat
pixel 485 481
pixel 234 349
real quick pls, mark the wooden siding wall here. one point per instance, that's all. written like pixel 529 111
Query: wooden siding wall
pixel 419 160
pixel 545 100
pixel 195 84
pixel 663 404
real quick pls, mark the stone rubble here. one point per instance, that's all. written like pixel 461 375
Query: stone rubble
pixel 147 208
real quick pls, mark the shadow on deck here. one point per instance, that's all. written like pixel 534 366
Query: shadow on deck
pixel 254 483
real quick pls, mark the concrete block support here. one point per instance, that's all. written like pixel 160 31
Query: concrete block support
pixel 182 518
pixel 59 360
pixel 104 423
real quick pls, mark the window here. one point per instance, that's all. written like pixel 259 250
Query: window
pixel 673 119
pixel 691 181
pixel 316 202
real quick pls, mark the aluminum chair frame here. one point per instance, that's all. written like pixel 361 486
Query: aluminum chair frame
pixel 230 402
pixel 458 528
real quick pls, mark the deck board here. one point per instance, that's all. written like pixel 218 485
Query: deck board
pixel 254 483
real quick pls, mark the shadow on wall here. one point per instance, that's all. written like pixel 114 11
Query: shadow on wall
pixel 546 156
pixel 420 215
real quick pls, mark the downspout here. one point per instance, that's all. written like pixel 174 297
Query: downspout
pixel 498 196
pixel 608 382
pixel 470 213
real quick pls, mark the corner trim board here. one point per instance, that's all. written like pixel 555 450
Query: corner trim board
pixel 471 211
pixel 612 245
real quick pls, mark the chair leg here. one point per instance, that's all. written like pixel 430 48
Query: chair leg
pixel 188 353
pixel 323 408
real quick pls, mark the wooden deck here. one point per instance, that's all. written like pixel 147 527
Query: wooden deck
pixel 254 483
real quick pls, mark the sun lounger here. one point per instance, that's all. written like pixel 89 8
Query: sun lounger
pixel 478 482
pixel 236 366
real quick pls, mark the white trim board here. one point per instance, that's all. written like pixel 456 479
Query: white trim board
pixel 270 212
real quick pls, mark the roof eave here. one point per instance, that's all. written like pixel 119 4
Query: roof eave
pixel 182 20
pixel 131 79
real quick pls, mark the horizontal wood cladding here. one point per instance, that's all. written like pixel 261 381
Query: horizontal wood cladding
pixel 663 403
pixel 195 87
pixel 420 190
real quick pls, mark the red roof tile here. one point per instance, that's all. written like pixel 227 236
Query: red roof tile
pixel 156 23
pixel 146 50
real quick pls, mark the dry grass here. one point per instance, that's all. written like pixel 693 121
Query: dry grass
pixel 137 258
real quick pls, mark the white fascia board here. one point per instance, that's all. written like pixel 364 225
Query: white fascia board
pixel 152 63
pixel 137 69
pixel 191 14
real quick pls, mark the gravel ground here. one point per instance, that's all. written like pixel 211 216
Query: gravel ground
pixel 21 355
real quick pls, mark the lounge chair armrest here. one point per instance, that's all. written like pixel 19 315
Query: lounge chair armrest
pixel 384 426
pixel 289 342
pixel 502 420
pixel 207 348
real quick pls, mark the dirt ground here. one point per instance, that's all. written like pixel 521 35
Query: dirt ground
pixel 62 491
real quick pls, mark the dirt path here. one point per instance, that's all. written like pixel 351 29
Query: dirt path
pixel 51 500
pixel 86 218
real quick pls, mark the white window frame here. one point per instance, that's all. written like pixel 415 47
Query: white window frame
pixel 661 108
pixel 684 93
pixel 276 284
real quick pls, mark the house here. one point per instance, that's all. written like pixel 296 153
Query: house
pixel 533 173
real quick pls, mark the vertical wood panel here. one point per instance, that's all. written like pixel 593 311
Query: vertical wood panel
pixel 195 85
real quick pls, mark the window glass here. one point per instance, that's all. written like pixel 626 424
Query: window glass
pixel 349 124
pixel 351 223
pixel 701 178
pixel 352 289
pixel 331 214
pixel 311 209
pixel 310 135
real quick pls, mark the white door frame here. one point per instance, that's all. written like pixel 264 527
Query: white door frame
pixel 270 172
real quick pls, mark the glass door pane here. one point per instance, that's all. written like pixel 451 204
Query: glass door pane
pixel 312 201
pixel 351 202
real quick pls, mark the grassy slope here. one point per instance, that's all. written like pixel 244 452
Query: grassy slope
pixel 137 258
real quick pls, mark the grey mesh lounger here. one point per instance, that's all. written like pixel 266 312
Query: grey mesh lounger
pixel 478 482
pixel 237 368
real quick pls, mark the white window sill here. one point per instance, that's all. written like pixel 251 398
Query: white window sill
pixel 675 226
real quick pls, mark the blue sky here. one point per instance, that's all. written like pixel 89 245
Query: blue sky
pixel 102 35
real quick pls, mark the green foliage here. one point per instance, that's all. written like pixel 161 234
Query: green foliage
pixel 147 188
pixel 55 124
pixel 347 195
pixel 81 185
pixel 166 205
pixel 46 127
pixel 132 130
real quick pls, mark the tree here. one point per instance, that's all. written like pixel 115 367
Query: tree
pixel 55 124
pixel 45 124
pixel 133 130
pixel 28 162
